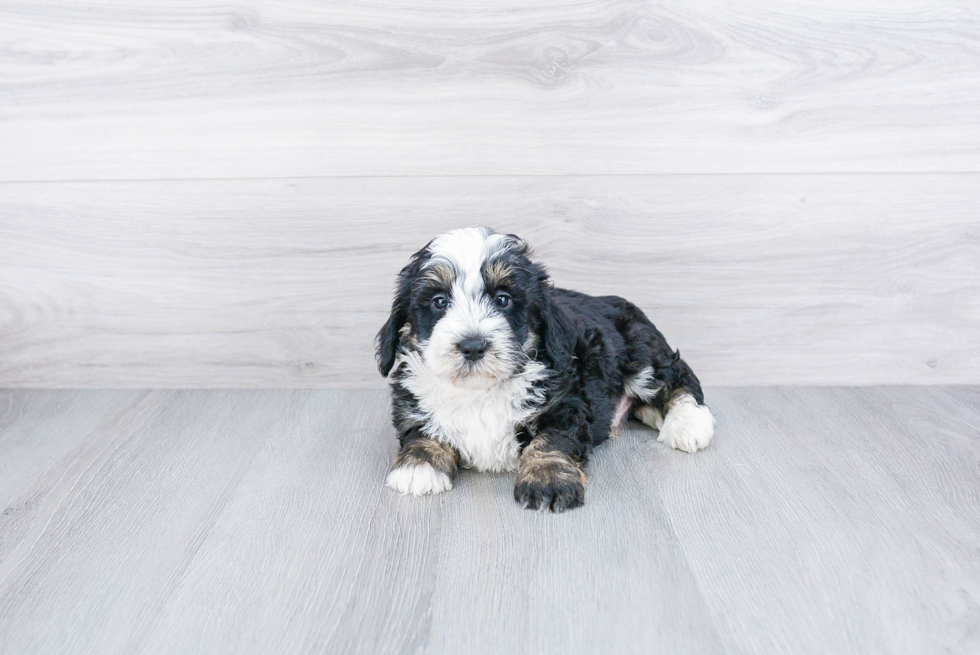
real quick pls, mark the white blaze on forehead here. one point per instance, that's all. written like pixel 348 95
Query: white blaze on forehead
pixel 472 406
pixel 466 250
pixel 471 313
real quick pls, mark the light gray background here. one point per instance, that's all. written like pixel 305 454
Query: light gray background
pixel 197 195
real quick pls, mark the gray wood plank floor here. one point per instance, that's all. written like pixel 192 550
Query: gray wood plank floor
pixel 820 520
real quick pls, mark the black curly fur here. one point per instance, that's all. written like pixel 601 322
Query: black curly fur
pixel 590 345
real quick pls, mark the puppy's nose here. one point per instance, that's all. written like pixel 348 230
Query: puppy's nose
pixel 473 348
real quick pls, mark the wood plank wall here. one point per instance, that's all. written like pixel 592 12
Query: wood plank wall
pixel 220 195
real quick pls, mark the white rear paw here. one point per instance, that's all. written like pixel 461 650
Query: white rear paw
pixel 688 426
pixel 418 480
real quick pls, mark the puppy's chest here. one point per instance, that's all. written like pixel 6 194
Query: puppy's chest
pixel 482 426
pixel 481 423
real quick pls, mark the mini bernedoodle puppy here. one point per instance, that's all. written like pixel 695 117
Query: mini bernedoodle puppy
pixel 491 367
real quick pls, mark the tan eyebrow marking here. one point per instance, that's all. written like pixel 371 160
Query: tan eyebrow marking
pixel 442 274
pixel 497 272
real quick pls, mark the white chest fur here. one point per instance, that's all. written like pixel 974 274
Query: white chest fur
pixel 478 420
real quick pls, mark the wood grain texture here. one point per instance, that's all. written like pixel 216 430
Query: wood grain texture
pixel 851 512
pixel 39 433
pixel 129 504
pixel 843 279
pixel 122 90
pixel 820 520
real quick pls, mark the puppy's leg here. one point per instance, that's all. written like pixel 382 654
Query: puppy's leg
pixel 424 466
pixel 678 411
pixel 549 475
pixel 667 395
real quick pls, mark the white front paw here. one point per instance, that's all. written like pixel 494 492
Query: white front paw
pixel 687 426
pixel 418 480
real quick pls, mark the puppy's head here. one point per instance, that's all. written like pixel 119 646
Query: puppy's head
pixel 471 305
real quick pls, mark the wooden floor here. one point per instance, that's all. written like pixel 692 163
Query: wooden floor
pixel 821 520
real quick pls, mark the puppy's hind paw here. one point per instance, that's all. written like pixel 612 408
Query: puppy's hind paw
pixel 688 426
pixel 418 480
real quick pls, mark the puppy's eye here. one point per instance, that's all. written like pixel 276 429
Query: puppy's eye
pixel 502 299
pixel 440 302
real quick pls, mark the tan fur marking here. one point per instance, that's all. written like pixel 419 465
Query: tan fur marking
pixel 441 456
pixel 654 417
pixel 441 274
pixel 540 466
pixel 649 416
pixel 498 271
pixel 407 338
pixel 676 395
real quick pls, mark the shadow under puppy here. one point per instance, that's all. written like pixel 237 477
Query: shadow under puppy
pixel 491 367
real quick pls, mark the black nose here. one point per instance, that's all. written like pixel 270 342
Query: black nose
pixel 472 349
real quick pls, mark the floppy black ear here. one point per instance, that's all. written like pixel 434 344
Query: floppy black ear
pixel 558 337
pixel 556 332
pixel 387 339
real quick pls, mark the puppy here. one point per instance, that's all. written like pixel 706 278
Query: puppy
pixel 493 368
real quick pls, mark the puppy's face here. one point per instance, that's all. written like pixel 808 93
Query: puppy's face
pixel 466 305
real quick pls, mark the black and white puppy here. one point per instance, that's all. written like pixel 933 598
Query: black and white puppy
pixel 491 367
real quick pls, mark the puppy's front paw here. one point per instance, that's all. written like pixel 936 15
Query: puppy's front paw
pixel 548 479
pixel 418 480
pixel 557 495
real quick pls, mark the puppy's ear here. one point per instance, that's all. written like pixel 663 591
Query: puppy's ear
pixel 559 339
pixel 556 334
pixel 387 339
